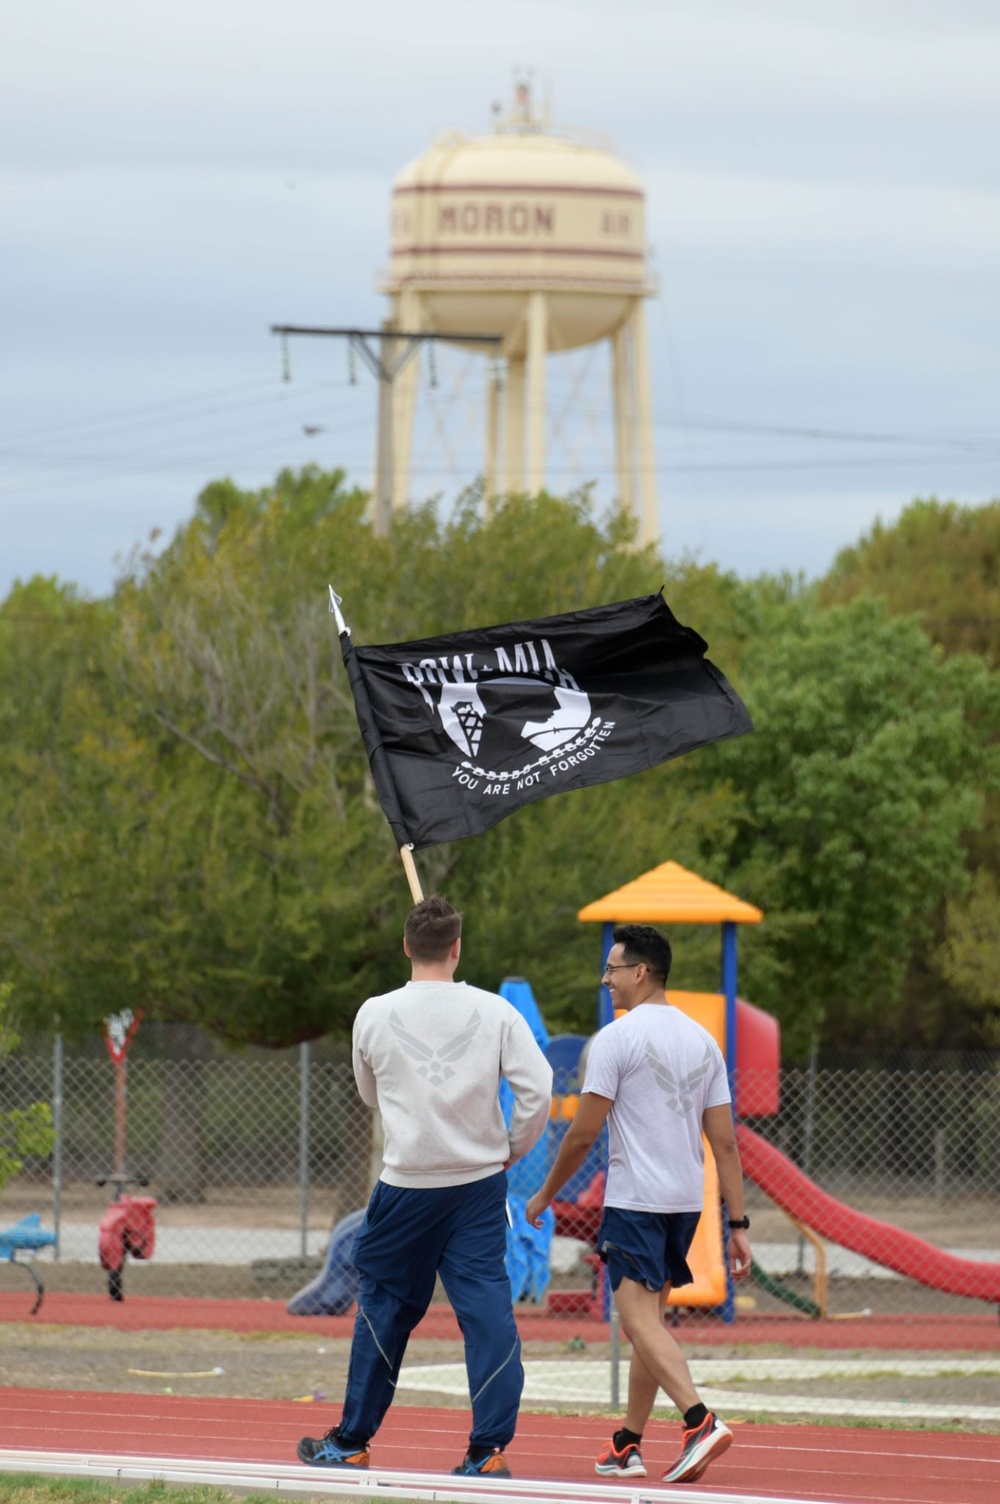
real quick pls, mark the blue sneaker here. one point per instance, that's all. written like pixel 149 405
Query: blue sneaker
pixel 493 1465
pixel 328 1452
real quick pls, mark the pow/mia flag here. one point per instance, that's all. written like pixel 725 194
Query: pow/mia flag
pixel 463 730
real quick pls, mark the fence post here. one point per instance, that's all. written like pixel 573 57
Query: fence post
pixel 57 1146
pixel 616 1353
pixel 807 1134
pixel 304 1145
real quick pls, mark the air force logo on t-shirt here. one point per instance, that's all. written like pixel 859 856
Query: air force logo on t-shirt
pixel 681 1092
pixel 435 1064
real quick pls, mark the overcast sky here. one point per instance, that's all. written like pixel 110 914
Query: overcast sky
pixel 823 189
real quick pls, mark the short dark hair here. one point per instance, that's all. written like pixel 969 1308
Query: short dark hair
pixel 641 942
pixel 431 929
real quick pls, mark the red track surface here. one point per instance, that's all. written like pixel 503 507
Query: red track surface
pixel 791 1461
pixel 801 1462
pixel 978 1332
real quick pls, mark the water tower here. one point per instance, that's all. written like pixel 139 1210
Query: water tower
pixel 537 236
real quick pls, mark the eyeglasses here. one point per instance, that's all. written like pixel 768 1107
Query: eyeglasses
pixel 622 966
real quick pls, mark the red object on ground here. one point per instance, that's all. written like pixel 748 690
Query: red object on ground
pixel 884 1244
pixel 589 1303
pixel 807 1463
pixel 126 1227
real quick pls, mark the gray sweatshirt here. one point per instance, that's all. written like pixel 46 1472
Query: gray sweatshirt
pixel 430 1056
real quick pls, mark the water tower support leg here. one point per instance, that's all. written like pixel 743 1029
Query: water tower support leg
pixel 513 417
pixel 494 388
pixel 621 386
pixel 649 529
pixel 537 344
pixel 409 315
pixel 384 465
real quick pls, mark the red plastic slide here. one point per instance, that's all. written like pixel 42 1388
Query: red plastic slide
pixel 884 1244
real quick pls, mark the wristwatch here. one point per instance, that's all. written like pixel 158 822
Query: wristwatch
pixel 735 1222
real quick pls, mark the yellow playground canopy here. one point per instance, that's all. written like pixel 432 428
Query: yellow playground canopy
pixel 670 894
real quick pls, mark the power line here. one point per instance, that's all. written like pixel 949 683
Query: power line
pixel 123 414
pixel 170 414
pixel 157 419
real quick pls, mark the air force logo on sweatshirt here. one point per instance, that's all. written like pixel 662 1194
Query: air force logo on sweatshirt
pixel 435 1064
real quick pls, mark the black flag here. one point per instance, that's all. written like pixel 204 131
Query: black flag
pixel 463 730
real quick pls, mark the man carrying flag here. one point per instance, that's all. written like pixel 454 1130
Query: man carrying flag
pixel 461 731
pixel 430 1057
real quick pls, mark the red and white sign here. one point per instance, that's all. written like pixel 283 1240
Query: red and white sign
pixel 119 1032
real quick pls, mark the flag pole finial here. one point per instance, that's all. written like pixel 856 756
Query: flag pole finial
pixel 335 612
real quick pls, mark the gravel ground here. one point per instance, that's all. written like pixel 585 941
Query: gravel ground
pixel 284 1366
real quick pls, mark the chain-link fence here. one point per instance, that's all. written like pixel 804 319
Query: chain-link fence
pixel 873 1191
pixel 254 1160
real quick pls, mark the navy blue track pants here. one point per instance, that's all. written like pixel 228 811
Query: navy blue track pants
pixel 407 1238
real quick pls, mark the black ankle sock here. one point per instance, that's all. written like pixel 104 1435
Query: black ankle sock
pixel 626 1438
pixel 694 1416
pixel 347 1442
pixel 476 1454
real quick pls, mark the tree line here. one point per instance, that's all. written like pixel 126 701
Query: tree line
pixel 188 825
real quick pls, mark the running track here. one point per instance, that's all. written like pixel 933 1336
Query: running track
pixel 807 1463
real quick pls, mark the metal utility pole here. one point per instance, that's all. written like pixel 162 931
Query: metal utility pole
pixel 395 348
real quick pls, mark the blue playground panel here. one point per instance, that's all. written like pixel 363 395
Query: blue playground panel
pixel 335 1288
pixel 524 1178
pixel 563 1054
pixel 27 1236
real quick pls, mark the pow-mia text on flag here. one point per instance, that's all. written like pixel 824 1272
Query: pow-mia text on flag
pixel 463 730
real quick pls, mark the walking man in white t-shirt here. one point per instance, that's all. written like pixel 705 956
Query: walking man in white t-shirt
pixel 430 1056
pixel 659 1080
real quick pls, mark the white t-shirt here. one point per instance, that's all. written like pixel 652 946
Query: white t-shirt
pixel 661 1070
pixel 430 1056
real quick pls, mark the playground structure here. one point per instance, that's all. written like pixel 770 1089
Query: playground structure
pixel 27 1236
pixel 750 1041
pixel 669 894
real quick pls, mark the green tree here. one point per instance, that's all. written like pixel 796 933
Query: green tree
pixel 23 1130
pixel 969 956
pixel 89 828
pixel 864 773
pixel 205 798
pixel 939 561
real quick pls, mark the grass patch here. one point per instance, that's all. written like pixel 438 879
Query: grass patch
pixel 27 1488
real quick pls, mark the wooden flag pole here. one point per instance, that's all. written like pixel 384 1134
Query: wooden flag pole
pixel 412 875
pixel 381 773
